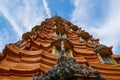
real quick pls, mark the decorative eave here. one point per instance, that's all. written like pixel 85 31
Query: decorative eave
pixel 67 44
pixel 43 23
pixel 27 35
pixel 12 49
pixel 58 21
pixel 74 27
pixel 84 34
pixel 35 28
pixel 91 45
pixel 103 50
pixel 1 56
pixel 95 39
pixel 18 43
pixel 116 56
pixel 60 29
pixel 68 23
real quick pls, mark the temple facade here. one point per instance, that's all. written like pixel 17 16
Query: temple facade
pixel 39 49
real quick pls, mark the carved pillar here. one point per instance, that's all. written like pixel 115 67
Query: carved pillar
pixel 89 41
pixel 54 34
pixel 112 59
pixel 54 50
pixel 100 58
pixel 70 53
pixel 81 40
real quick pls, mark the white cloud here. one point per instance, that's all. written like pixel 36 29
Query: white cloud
pixel 32 13
pixel 3 38
pixel 46 8
pixel 108 32
pixel 1 43
pixel 80 12
pixel 11 20
pixel 23 15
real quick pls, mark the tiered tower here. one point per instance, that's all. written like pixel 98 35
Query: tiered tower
pixel 39 49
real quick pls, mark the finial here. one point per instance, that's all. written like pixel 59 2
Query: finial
pixel 55 13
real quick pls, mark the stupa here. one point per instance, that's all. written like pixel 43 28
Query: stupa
pixel 40 50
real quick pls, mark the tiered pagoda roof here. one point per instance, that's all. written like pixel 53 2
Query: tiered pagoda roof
pixel 39 50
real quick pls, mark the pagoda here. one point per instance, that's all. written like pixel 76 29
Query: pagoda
pixel 54 41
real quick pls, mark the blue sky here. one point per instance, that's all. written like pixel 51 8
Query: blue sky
pixel 101 18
